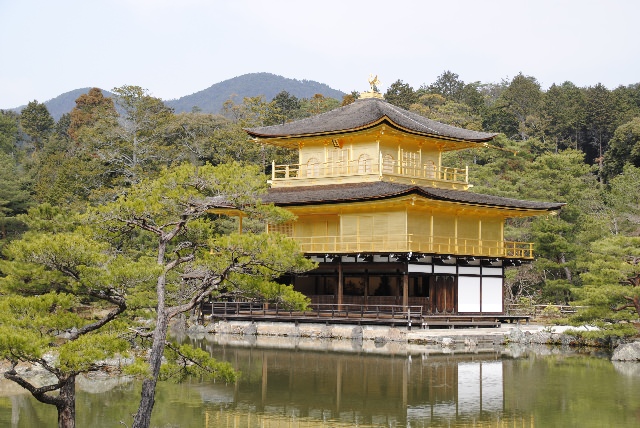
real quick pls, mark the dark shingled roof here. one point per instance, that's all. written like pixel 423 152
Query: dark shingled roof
pixel 365 113
pixel 340 193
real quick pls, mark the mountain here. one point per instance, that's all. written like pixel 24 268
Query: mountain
pixel 63 103
pixel 210 100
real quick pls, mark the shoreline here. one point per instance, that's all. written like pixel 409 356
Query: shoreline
pixel 512 339
pixel 507 341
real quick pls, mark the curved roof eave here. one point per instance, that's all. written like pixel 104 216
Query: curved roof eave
pixel 383 120
pixel 365 114
pixel 342 193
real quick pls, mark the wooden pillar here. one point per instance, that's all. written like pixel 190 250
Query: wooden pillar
pixel 366 287
pixel 340 283
pixel 481 250
pixel 455 236
pixel 431 237
pixel 405 290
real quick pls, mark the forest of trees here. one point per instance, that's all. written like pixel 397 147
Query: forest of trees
pixel 90 204
pixel 566 144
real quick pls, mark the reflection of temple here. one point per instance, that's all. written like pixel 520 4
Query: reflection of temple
pixel 367 390
pixel 388 223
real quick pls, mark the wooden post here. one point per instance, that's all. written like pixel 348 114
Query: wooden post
pixel 340 284
pixel 366 287
pixel 480 249
pixel 405 290
pixel 431 237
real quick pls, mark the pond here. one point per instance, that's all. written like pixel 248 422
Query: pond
pixel 306 388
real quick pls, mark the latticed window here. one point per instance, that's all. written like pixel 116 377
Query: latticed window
pixel 313 167
pixel 387 164
pixel 284 228
pixel 339 161
pixel 410 158
pixel 364 164
pixel 430 169
pixel 410 162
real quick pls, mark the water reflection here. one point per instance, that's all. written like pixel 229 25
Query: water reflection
pixel 365 389
pixel 306 388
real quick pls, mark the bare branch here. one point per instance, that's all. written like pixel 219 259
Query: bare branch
pixel 40 393
pixel 96 325
pixel 140 333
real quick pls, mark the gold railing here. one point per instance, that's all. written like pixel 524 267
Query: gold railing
pixel 360 168
pixel 345 244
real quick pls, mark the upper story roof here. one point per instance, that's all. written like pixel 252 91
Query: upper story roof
pixel 367 113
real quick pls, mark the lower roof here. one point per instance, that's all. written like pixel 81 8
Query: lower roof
pixel 359 192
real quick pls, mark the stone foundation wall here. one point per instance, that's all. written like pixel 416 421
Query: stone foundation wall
pixel 306 330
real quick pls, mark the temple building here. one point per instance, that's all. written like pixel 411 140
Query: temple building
pixel 387 222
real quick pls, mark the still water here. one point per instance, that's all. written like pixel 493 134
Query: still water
pixel 304 388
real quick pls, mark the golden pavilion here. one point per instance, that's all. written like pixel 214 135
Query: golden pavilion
pixel 387 223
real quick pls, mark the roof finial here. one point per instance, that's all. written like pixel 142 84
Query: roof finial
pixel 374 82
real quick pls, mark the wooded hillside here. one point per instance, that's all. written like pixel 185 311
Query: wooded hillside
pixel 579 145
pixel 212 99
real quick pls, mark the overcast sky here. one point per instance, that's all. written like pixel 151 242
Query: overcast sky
pixel 178 47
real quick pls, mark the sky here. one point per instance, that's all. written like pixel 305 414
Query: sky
pixel 174 48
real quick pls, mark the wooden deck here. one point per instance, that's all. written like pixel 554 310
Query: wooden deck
pixel 391 315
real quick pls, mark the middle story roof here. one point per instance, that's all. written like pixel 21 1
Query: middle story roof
pixel 378 190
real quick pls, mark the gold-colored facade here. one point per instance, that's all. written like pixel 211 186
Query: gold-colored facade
pixel 404 224
pixel 380 153
pixel 387 222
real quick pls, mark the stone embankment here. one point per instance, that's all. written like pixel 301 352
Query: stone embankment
pixel 381 339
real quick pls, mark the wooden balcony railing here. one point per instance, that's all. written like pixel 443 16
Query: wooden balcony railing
pixel 346 244
pixel 367 168
pixel 316 312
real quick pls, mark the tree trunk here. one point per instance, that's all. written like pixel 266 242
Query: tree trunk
pixel 567 271
pixel 142 418
pixel 636 304
pixel 67 404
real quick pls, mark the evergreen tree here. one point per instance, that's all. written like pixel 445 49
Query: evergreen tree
pixel 283 108
pixel 624 148
pixel 522 100
pixel 611 285
pixel 36 121
pixel 157 252
pixel 449 85
pixel 623 200
pixel 15 197
pixel 45 279
pixel 8 133
pixel 602 117
pixel 563 112
pixel 401 94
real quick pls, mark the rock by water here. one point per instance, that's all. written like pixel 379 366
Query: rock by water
pixel 627 352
